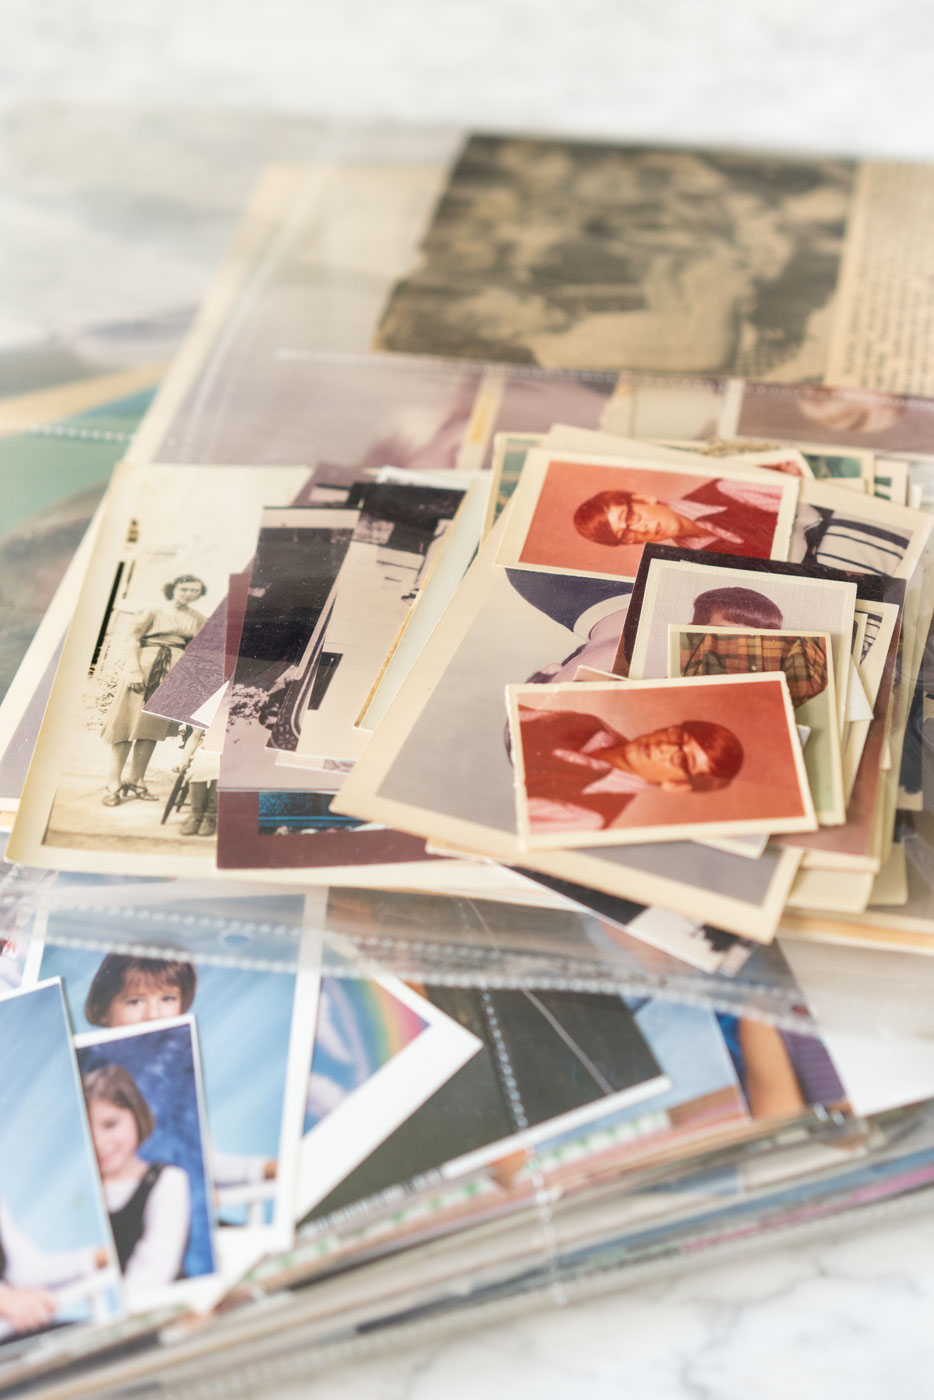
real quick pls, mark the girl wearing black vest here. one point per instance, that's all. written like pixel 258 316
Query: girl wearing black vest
pixel 149 1202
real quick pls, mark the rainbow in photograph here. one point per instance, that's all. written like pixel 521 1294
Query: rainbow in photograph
pixel 361 1026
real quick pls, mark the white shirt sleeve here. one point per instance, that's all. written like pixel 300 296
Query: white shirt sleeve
pixel 30 1267
pixel 237 1169
pixel 158 1255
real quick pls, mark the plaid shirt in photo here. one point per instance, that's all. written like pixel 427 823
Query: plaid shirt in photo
pixel 801 658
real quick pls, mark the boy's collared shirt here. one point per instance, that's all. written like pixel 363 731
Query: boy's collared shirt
pixel 801 658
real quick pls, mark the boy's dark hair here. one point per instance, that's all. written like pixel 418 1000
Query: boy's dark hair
pixel 723 750
pixel 112 975
pixel 742 607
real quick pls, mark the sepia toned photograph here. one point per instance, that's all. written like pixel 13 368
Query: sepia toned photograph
pixel 577 255
pixel 593 515
pixel 202 672
pixel 100 790
pixel 598 763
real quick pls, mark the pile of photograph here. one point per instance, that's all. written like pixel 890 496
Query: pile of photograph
pixel 463 747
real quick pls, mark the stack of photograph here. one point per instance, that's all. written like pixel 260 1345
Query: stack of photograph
pixel 463 748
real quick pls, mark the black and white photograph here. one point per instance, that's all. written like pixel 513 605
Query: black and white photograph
pixel 572 255
pixel 100 791
pixel 280 655
pixel 400 534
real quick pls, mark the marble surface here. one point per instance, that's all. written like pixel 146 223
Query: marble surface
pixel 847 1317
pixel 120 173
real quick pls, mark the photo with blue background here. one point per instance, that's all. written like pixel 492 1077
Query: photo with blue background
pixel 244 1019
pixel 161 1061
pixel 49 1181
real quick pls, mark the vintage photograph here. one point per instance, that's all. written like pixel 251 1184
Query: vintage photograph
pixel 280 651
pixel 104 770
pixel 858 418
pixel 578 255
pixel 202 672
pixel 58 1266
pixel 612 764
pixel 806 661
pixel 715 595
pixel 400 534
pixel 509 453
pixel 857 533
pixel 441 583
pixel 848 467
pixel 145 1105
pixel 593 515
pixel 439 766
pixel 645 407
pixel 297 831
pixel 245 1025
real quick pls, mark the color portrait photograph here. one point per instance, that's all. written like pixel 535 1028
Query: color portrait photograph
pixel 441 764
pixel 599 763
pixel 244 1020
pixel 806 661
pixel 145 1105
pixel 593 515
pixel 711 595
pixel 58 1266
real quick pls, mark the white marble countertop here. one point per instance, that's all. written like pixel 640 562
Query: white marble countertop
pixel 849 1317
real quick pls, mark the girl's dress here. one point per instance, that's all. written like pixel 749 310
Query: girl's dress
pixel 163 634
